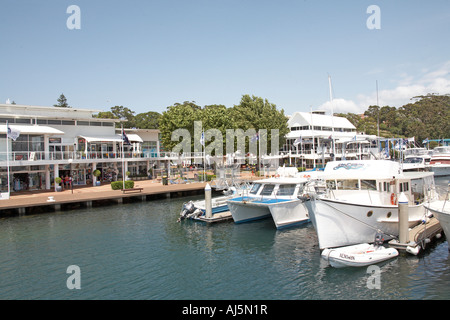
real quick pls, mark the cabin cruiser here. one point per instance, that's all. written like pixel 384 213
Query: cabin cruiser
pixel 441 210
pixel 265 198
pixel 361 200
pixel 440 161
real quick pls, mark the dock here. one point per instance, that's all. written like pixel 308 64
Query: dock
pixel 31 202
pixel 217 217
pixel 419 236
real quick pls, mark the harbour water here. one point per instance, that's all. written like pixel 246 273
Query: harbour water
pixel 139 251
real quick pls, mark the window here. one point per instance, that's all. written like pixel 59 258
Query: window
pixel 267 189
pixel 55 122
pixel 83 123
pixel 331 184
pixel 368 185
pixel 348 184
pixel 95 124
pixel 404 186
pixel 108 124
pixel 286 190
pixel 255 188
pixel 68 122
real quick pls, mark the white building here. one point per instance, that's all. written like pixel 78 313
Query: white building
pixel 316 138
pixel 66 141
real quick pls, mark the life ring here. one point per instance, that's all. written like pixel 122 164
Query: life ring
pixel 393 199
pixel 306 176
pixel 277 176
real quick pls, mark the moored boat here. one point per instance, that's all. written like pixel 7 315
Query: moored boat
pixel 441 210
pixel 440 161
pixel 361 199
pixel 359 255
pixel 266 194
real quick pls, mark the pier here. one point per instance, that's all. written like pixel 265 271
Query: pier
pixel 89 196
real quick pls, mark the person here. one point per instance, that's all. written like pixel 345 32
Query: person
pixel 66 181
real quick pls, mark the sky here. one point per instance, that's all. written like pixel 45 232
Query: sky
pixel 149 54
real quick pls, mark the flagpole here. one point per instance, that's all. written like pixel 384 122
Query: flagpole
pixel 123 161
pixel 204 156
pixel 7 158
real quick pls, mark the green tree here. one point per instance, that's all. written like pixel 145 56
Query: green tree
pixel 147 120
pixel 62 102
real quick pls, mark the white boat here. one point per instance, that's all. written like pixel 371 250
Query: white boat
pixel 195 209
pixel 359 255
pixel 440 161
pixel 361 199
pixel 441 210
pixel 269 197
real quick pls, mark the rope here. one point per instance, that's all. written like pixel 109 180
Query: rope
pixel 366 224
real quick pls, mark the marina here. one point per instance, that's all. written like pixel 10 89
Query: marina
pixel 138 251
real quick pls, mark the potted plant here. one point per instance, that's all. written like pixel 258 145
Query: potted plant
pixel 97 174
pixel 127 175
pixel 58 181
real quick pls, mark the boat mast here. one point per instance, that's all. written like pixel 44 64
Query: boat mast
pixel 332 118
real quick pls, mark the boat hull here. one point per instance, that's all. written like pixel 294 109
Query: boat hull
pixel 342 224
pixel 440 170
pixel 443 216
pixel 246 210
pixel 289 213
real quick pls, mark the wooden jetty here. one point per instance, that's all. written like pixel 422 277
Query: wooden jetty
pixel 419 236
pixel 90 196
pixel 217 217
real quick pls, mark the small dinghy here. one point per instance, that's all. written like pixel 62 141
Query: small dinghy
pixel 359 255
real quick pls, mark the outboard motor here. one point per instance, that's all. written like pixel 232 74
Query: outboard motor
pixel 379 239
pixel 188 208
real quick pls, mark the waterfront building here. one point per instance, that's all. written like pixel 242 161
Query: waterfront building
pixel 316 138
pixel 60 142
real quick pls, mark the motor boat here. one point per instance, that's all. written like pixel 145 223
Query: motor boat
pixel 276 197
pixel 361 200
pixel 440 161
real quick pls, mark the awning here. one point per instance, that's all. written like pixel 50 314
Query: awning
pixel 114 138
pixel 34 129
pixel 134 137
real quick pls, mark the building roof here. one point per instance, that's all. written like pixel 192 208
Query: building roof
pixel 299 119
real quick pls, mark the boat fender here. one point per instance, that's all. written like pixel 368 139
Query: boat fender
pixel 306 176
pixel 393 199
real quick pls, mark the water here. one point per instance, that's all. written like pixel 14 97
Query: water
pixel 139 251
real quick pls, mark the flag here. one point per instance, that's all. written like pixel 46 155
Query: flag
pixel 255 137
pixel 12 133
pixel 202 139
pixel 298 141
pixel 125 138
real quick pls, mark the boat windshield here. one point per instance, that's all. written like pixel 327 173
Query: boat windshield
pixel 349 184
pixel 267 189
pixel 255 188
pixel 286 190
pixel 413 160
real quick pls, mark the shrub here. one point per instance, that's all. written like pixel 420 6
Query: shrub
pixel 117 185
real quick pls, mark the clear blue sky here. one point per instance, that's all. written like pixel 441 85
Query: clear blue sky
pixel 147 55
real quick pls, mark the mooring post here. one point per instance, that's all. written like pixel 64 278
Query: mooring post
pixel 208 201
pixel 403 219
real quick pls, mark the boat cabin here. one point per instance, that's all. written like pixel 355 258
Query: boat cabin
pixel 377 182
pixel 278 187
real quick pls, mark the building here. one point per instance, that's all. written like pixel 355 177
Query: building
pixel 60 142
pixel 316 138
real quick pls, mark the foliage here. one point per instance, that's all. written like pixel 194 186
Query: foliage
pixel 118 185
pixel 427 117
pixel 97 173
pixel 62 102
pixel 58 180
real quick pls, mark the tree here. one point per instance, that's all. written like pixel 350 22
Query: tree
pixel 62 102
pixel 147 120
pixel 255 112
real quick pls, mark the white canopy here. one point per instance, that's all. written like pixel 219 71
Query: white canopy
pixel 34 129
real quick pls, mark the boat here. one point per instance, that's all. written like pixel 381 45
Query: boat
pixel 441 210
pixel 196 209
pixel 440 161
pixel 360 255
pixel 267 197
pixel 361 199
